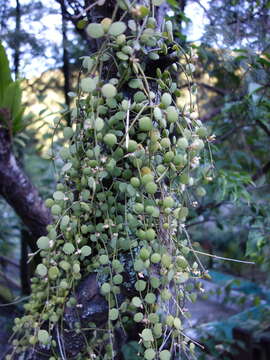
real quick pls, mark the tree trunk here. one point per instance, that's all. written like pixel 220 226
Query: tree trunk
pixel 66 66
pixel 17 42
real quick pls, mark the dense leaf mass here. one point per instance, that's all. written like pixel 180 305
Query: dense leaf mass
pixel 131 157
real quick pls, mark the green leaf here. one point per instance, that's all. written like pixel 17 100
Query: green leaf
pixel 122 187
pixel 131 191
pixel 12 98
pixel 240 57
pixel 241 50
pixel 266 54
pixel 117 28
pixel 17 123
pixel 147 335
pixel 173 3
pixel 5 75
pixel 113 314
pixel 131 351
pixel 81 24
pixel 264 62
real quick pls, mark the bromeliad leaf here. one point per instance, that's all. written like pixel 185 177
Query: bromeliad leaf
pixel 5 75
pixel 12 98
pixel 18 124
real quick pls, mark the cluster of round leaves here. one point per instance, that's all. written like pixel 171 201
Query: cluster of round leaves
pixel 128 163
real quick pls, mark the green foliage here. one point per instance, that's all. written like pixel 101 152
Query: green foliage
pixel 11 109
pixel 5 75
pixel 9 229
pixel 101 221
pixel 235 66
pixel 232 185
pixel 257 247
pixel 131 351
pixel 236 202
pixel 241 155
pixel 219 335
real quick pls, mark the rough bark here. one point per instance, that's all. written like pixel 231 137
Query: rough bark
pixel 19 192
pixel 92 308
pixel 17 42
pixel 25 271
pixel 66 65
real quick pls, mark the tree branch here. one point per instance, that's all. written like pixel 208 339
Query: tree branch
pixel 263 127
pixel 262 171
pixel 206 86
pixel 212 205
pixel 211 114
pixel 72 18
pixel 232 131
pixel 19 192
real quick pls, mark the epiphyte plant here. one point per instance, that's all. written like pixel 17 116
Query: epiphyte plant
pixel 130 159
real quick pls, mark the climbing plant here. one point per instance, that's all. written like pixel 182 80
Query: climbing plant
pixel 129 177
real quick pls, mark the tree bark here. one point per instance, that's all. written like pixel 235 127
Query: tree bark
pixel 17 42
pixel 66 66
pixel 19 192
pixel 25 272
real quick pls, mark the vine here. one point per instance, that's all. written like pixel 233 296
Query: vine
pixel 131 160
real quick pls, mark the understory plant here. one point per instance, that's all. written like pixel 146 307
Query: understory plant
pixel 128 180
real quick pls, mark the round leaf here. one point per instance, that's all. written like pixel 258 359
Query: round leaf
pixel 136 301
pixel 113 314
pixel 95 30
pixel 88 84
pixel 43 243
pixel 68 248
pixel 149 354
pixel 117 28
pixel 41 270
pixel 108 90
pixel 86 250
pixel 165 355
pixel 147 335
pixel 43 336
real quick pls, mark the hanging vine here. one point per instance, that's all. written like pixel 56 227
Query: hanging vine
pixel 129 178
